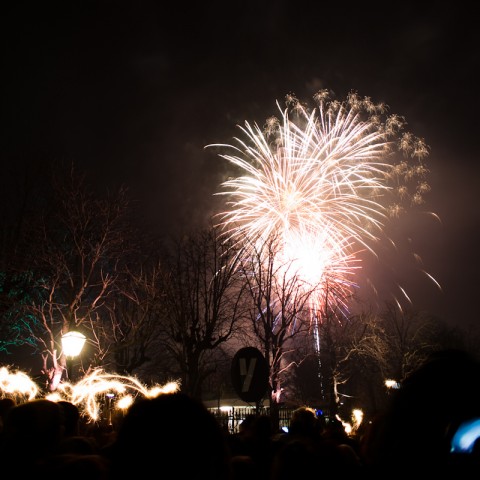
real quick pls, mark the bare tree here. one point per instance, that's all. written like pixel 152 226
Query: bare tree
pixel 134 316
pixel 279 311
pixel 375 347
pixel 20 194
pixel 410 336
pixel 74 259
pixel 322 348
pixel 463 337
pixel 202 304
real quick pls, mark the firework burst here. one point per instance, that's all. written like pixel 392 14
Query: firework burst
pixel 325 182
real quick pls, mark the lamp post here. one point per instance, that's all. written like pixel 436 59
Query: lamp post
pixel 72 344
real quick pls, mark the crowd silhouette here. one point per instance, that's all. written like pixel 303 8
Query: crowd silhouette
pixel 176 435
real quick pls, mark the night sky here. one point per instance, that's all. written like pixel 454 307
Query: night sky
pixel 133 91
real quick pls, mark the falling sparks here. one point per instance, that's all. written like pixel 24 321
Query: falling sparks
pixel 357 419
pixel 324 182
pixel 89 394
pixel 17 385
pixel 93 388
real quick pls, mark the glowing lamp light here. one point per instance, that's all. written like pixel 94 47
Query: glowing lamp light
pixel 392 384
pixel 72 343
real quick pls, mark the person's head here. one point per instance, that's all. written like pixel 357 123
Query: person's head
pixel 263 426
pixel 32 432
pixel 171 430
pixel 304 422
pixel 71 415
pixel 6 403
pixel 296 458
pixel 442 392
pixel 246 425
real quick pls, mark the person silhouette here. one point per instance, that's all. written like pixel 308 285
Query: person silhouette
pixel 31 437
pixel 174 432
pixel 415 431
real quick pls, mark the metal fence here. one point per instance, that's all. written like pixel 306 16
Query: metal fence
pixel 231 418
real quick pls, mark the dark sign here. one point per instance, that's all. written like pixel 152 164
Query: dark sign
pixel 249 374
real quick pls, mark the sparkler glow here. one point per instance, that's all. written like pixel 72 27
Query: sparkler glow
pixel 97 384
pixel 357 419
pixel 324 182
pixel 17 385
pixel 88 394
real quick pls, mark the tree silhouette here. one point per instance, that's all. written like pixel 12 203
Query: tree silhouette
pixel 202 304
pixel 75 255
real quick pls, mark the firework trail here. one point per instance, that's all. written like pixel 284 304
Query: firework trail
pixel 325 182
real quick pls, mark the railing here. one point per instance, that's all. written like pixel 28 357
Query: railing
pixel 232 418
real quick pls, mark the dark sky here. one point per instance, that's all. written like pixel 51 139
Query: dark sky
pixel 134 91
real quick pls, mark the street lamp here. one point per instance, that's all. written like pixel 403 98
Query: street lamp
pixel 72 344
pixel 392 384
